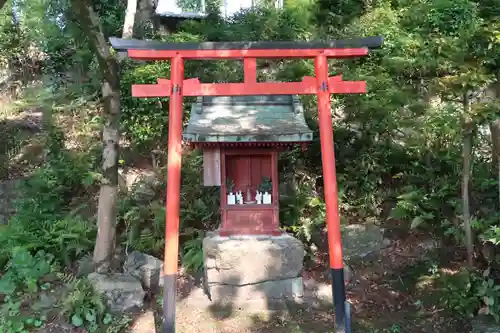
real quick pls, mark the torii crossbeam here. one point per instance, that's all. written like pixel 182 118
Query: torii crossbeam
pixel 177 87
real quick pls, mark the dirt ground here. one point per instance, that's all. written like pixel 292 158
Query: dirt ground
pixel 389 294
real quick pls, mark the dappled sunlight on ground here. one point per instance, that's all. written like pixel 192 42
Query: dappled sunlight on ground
pixel 393 292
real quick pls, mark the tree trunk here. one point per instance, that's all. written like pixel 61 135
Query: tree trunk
pixel 145 20
pixel 468 135
pixel 108 196
pixel 128 25
pixel 495 137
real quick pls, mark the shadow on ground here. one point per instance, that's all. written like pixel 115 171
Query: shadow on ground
pixel 389 294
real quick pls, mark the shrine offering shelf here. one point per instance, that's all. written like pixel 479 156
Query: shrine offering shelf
pixel 250 206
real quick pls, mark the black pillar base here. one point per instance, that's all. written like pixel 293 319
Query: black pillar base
pixel 169 292
pixel 339 299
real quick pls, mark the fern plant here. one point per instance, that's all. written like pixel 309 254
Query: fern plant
pixel 192 258
pixel 41 221
pixel 67 238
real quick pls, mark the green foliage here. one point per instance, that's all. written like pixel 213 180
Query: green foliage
pixel 302 210
pixel 266 185
pixel 10 146
pixel 42 221
pixel 469 293
pixel 460 293
pixel 192 254
pixel 12 320
pixel 409 207
pixel 144 224
pixel 83 307
pixel 24 271
pixel 22 275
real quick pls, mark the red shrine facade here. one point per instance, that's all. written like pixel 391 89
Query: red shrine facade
pixel 241 138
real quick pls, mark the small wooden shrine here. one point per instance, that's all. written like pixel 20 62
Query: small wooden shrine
pixel 241 138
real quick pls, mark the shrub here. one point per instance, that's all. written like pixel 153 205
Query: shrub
pixel 41 221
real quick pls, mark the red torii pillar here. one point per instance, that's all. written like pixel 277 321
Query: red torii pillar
pixel 177 87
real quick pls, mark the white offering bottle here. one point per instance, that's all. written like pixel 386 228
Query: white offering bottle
pixel 231 199
pixel 258 197
pixel 266 198
pixel 239 198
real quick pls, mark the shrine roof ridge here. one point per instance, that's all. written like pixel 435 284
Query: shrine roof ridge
pixel 121 44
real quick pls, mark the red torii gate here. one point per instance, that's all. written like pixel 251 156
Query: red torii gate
pixel 177 86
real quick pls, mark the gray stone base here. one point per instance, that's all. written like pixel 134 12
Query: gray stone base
pixel 269 295
pixel 252 272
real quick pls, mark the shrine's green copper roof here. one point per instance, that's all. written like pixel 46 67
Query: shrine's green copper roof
pixel 277 118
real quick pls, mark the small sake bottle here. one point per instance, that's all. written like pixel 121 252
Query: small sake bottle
pixel 266 198
pixel 231 198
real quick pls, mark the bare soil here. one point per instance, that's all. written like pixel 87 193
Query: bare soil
pixel 388 295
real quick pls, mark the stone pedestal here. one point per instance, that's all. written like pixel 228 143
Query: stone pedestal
pixel 253 272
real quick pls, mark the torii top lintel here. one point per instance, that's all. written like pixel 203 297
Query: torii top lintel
pixel 155 50
pixel 249 51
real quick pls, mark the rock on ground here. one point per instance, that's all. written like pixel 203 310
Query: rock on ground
pixel 148 269
pixel 360 241
pixel 123 292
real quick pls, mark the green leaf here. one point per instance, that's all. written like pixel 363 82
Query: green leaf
pixel 18 326
pixel 90 316
pixel 92 327
pixel 7 285
pixel 314 202
pixel 108 318
pixel 76 320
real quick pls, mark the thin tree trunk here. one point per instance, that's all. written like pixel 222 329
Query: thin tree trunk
pixel 468 134
pixel 128 25
pixel 495 137
pixel 144 18
pixel 108 196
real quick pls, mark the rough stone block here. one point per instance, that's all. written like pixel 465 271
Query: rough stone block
pixel 244 260
pixel 360 241
pixel 146 268
pixel 123 292
pixel 265 295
